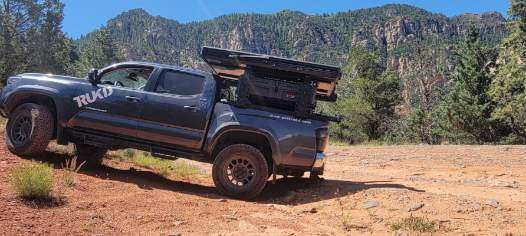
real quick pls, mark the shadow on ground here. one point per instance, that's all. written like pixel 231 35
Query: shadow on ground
pixel 297 191
pixel 291 191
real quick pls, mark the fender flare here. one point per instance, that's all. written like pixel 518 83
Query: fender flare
pixel 26 91
pixel 227 128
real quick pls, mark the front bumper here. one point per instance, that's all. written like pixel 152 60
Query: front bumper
pixel 2 110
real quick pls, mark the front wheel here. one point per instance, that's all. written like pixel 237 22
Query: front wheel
pixel 29 129
pixel 240 171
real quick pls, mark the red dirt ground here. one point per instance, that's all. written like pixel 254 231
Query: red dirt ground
pixel 463 189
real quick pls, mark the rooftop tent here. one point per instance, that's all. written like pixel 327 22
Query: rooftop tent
pixel 231 65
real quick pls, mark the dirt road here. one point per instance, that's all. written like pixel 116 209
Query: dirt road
pixel 367 189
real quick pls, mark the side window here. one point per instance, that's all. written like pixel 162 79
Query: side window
pixel 134 78
pixel 180 83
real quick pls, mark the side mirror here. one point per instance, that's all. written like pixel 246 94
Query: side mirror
pixel 93 76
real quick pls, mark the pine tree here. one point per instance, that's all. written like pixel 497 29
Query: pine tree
pixel 18 19
pixel 468 104
pixel 101 52
pixel 509 88
pixel 31 37
pixel 50 48
pixel 370 94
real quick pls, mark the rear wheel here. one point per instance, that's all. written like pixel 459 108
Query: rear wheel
pixel 29 129
pixel 91 155
pixel 240 171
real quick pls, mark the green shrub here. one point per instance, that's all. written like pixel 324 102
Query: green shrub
pixel 32 180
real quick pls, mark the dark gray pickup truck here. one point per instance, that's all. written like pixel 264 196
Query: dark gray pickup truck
pixel 251 116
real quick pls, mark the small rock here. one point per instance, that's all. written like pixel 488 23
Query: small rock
pixel 222 200
pixel 312 210
pixel 179 222
pixel 370 204
pixel 230 217
pixel 416 206
pixel 417 173
pixel 476 207
pixel 175 234
pixel 494 203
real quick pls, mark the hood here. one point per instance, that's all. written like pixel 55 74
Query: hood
pixel 40 76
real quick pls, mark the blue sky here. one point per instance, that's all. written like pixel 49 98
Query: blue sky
pixel 83 16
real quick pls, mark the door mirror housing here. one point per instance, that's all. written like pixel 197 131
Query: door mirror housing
pixel 93 76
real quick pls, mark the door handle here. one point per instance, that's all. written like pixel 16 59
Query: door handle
pixel 132 99
pixel 192 108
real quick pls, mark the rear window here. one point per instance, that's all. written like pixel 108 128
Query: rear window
pixel 180 83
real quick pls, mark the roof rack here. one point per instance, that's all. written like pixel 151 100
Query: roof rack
pixel 232 65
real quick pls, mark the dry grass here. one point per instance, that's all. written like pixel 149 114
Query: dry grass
pixel 347 221
pixel 33 180
pixel 415 224
pixel 72 167
pixel 164 167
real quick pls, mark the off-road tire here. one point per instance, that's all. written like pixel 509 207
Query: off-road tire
pixel 41 129
pixel 254 157
pixel 91 156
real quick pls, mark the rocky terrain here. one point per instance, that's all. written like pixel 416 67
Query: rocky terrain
pixel 366 189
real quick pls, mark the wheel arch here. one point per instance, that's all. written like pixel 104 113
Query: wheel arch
pixel 43 98
pixel 260 139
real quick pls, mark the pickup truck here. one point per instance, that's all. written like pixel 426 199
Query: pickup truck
pixel 169 111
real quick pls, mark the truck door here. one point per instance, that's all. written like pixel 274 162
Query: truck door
pixel 113 106
pixel 175 111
